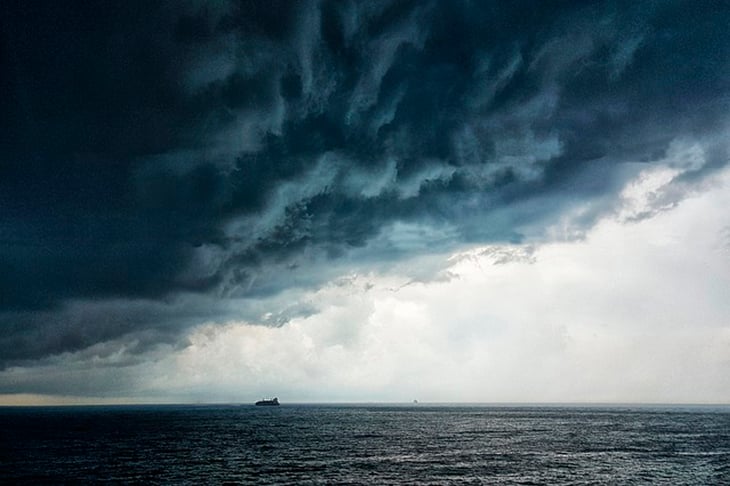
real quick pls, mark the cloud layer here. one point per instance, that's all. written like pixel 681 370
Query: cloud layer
pixel 165 165
pixel 632 313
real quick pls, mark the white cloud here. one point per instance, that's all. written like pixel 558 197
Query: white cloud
pixel 634 312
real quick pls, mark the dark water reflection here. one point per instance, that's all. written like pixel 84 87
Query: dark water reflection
pixel 366 444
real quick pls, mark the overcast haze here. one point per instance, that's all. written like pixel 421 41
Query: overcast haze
pixel 364 201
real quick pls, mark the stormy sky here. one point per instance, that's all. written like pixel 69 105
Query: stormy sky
pixel 373 200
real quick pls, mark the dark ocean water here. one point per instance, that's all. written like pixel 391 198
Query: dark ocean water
pixel 333 444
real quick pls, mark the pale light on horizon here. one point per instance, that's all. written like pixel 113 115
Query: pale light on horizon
pixel 618 316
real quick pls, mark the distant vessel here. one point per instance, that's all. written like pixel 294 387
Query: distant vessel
pixel 266 402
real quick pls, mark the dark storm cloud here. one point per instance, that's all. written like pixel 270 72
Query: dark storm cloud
pixel 153 151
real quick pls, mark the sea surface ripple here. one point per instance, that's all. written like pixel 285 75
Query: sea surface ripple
pixel 365 444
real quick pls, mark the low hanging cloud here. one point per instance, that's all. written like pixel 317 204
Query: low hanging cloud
pixel 169 164
pixel 556 322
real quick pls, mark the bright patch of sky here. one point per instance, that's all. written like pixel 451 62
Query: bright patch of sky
pixel 622 315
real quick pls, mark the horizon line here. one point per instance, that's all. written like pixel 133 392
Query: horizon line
pixel 102 403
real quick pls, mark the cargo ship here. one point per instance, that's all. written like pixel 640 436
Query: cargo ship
pixel 266 402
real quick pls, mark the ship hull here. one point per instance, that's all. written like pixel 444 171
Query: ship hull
pixel 268 403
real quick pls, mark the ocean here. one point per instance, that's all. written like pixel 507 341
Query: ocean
pixel 365 444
